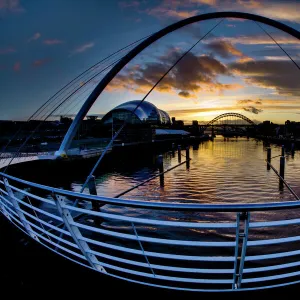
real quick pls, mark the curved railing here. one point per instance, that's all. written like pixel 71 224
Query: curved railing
pixel 173 245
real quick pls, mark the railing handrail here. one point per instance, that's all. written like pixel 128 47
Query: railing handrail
pixel 239 207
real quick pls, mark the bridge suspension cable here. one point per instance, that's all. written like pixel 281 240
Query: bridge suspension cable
pixel 53 105
pixel 139 104
pixel 265 31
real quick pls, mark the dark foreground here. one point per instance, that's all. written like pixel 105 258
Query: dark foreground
pixel 26 265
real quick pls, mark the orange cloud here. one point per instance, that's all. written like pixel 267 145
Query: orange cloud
pixel 207 2
pixel 245 59
pixel 224 49
pixel 251 4
pixel 187 113
pixel 258 39
pixel 285 10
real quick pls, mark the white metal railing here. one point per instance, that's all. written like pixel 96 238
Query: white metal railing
pixel 179 246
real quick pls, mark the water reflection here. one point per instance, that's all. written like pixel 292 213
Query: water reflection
pixel 221 171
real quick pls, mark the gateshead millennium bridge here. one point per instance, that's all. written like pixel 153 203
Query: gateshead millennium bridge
pixel 204 247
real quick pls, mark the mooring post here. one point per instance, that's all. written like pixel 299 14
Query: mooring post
pixel 293 149
pixel 173 149
pixel 179 153
pixel 93 191
pixel 282 150
pixel 160 162
pixel 269 151
pixel 281 171
pixel 195 146
pixel 187 152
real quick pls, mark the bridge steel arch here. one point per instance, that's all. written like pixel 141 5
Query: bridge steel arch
pixel 147 42
pixel 240 116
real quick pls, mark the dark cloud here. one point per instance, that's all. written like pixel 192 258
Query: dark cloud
pixel 224 49
pixel 184 94
pixel 249 101
pixel 252 109
pixel 191 75
pixel 280 75
pixel 248 105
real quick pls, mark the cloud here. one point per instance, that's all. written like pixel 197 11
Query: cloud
pixel 252 109
pixel 284 10
pixel 257 39
pixel 248 101
pixel 40 62
pixel 128 4
pixel 224 49
pixel 206 2
pixel 17 66
pixel 190 76
pixel 7 50
pixel 162 12
pixel 53 42
pixel 287 10
pixel 35 37
pixel 282 76
pixel 248 105
pixel 12 6
pixel 251 4
pixel 83 48
pixel 184 94
pixel 276 58
pixel 245 59
pixel 195 111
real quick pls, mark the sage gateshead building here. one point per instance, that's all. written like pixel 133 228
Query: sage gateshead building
pixel 133 113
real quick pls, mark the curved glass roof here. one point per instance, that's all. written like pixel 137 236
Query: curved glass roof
pixel 146 112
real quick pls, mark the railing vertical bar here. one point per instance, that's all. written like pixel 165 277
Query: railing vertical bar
pixel 236 251
pixel 142 248
pixel 4 211
pixel 76 234
pixel 43 228
pixel 244 248
pixel 18 210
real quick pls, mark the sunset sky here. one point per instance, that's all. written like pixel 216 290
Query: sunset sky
pixel 236 68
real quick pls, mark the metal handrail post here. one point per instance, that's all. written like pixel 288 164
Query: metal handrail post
pixel 76 234
pixel 236 252
pixel 18 210
pixel 244 248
